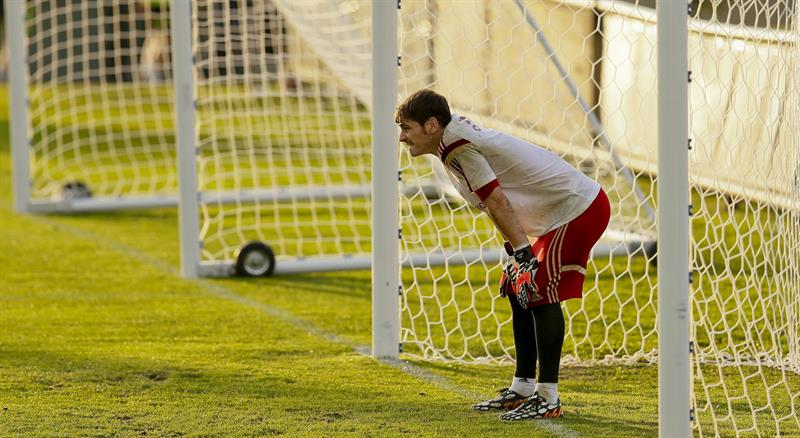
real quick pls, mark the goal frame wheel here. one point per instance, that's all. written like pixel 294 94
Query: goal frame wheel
pixel 75 189
pixel 255 259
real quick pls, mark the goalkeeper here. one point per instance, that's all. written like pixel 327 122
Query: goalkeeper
pixel 531 195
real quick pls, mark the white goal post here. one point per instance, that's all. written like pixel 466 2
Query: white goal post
pixel 674 379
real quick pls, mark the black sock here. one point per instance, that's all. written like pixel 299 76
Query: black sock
pixel 549 323
pixel 524 339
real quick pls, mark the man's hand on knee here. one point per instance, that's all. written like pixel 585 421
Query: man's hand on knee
pixel 520 271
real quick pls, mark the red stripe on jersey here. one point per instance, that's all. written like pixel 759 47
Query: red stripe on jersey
pixel 486 190
pixel 457 166
pixel 451 147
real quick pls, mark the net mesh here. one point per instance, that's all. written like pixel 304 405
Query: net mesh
pixel 100 99
pixel 283 132
pixel 498 63
pixel 284 142
pixel 319 52
pixel 540 72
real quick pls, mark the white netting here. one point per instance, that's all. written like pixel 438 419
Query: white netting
pixel 284 141
pixel 283 89
pixel 487 59
pixel 100 99
pixel 545 73
pixel 284 157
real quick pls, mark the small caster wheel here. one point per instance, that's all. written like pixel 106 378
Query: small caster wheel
pixel 75 190
pixel 255 259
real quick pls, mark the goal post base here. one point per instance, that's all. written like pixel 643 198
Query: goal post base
pixel 487 256
pixel 99 204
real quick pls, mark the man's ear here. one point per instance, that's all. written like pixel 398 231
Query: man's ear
pixel 431 125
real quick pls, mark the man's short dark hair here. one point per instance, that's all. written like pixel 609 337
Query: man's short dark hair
pixel 421 106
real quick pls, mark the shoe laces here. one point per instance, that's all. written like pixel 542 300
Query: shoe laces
pixel 535 399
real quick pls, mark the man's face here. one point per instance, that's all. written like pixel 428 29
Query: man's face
pixel 421 139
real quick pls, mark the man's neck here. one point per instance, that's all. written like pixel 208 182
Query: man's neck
pixel 437 140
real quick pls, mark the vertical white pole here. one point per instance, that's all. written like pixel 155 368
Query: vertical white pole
pixel 673 220
pixel 17 66
pixel 182 63
pixel 385 165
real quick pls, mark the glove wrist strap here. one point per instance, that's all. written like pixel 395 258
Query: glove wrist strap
pixel 524 254
pixel 523 246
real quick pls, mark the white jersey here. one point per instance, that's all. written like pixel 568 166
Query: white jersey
pixel 544 191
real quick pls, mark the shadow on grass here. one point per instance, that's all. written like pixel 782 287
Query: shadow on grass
pixel 312 393
pixel 604 400
pixel 352 284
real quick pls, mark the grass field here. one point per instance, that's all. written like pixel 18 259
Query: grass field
pixel 103 337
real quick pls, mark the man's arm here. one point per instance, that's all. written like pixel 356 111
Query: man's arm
pixel 505 218
pixel 467 161
pixel 521 268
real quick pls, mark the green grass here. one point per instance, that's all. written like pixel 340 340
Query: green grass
pixel 102 337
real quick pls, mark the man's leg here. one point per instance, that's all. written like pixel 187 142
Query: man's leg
pixel 563 254
pixel 549 322
pixel 525 340
pixel 525 346
pixel 524 382
pixel 549 328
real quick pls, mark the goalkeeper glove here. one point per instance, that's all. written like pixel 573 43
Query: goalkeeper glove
pixel 519 273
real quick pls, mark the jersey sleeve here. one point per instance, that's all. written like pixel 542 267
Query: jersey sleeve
pixel 468 162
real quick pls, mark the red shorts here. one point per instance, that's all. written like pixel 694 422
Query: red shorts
pixel 563 253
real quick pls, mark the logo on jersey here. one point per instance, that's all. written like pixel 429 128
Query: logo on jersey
pixel 469 122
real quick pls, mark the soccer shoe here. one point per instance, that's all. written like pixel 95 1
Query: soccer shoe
pixel 536 407
pixel 505 401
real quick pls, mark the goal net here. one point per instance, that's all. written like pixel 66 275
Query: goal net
pixel 580 79
pixel 99 106
pixel 544 81
pixel 283 133
pixel 283 157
